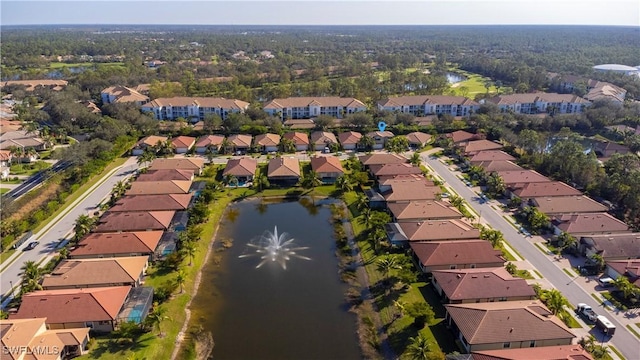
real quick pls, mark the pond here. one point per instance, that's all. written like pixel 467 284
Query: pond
pixel 260 304
pixel 453 78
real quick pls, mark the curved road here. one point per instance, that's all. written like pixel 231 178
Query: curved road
pixel 623 340
pixel 50 236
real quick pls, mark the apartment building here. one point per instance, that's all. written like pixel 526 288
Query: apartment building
pixel 421 105
pixel 193 109
pixel 310 107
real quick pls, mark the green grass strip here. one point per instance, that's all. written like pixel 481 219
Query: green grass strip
pixel 538 273
pixel 633 331
pixel 617 352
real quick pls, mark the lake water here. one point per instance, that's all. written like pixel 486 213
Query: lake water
pixel 453 78
pixel 270 312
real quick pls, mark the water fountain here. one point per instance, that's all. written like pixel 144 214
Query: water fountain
pixel 271 247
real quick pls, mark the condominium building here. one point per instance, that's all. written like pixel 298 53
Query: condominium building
pixel 421 105
pixel 193 109
pixel 309 107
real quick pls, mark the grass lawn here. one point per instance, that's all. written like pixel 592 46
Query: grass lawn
pixel 633 330
pixel 28 169
pixel 4 190
pixel 569 320
pixel 524 274
pixel 60 65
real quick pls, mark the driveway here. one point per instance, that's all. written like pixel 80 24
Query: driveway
pixel 551 270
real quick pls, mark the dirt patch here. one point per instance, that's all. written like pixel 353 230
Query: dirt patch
pixel 39 201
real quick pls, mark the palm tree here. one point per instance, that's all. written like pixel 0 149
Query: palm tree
pixel 456 201
pixel 30 152
pixel 361 202
pixel 287 145
pixel 226 146
pixel 261 182
pixel 310 181
pixel 119 189
pixel 566 240
pixel 598 260
pixel 31 274
pixel 495 184
pixel 511 268
pixel 16 152
pixel 344 184
pixel 181 277
pixel 147 156
pixel 386 264
pixel 418 348
pixel 625 286
pixel 554 300
pixel 415 159
pixel 189 249
pixel 495 237
pixel 366 143
pixel 83 226
pixel 231 180
pixel 156 317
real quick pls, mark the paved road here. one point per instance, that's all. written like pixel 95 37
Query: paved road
pixel 50 237
pixel 35 180
pixel 623 340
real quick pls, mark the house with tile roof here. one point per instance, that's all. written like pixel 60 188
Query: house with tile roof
pixel 390 170
pixel 159 187
pixel 496 165
pixel 134 221
pixel 299 124
pixel 182 144
pixel 322 139
pixel 86 273
pixel 175 202
pixel 381 159
pixel 300 140
pixel 283 170
pixel 627 268
pixel 188 163
pixel 462 286
pixel 490 155
pixel 506 325
pixel 121 94
pixel 243 169
pixel 517 178
pixel 22 139
pixel 473 147
pixel 310 107
pixel 147 142
pixel 621 246
pixel 240 143
pixel 166 175
pixel 557 205
pixel 543 189
pixel 193 109
pixel 411 191
pixel 31 85
pixel 560 352
pixel 23 339
pixel 327 167
pixel 420 105
pixel 604 91
pixel 588 224
pixel 418 139
pixel 120 244
pixel 430 230
pixel 420 210
pixel 209 143
pixel 380 138
pixel 459 136
pixel 606 149
pixel 349 139
pixel 266 143
pixel 460 254
pixel 96 308
pixel 385 182
pixel 539 103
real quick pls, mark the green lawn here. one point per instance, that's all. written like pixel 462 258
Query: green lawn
pixel 4 190
pixel 28 169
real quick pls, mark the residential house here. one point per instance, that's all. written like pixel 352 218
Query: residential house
pixel 147 142
pixel 627 268
pixel 22 139
pixel 175 202
pixel 420 105
pixel 122 94
pixel 243 169
pixel 557 205
pixel 182 144
pixel 380 138
pixel 328 168
pixel 300 124
pixel 240 143
pixel 463 286
pixel 517 178
pixel 267 143
pixel 460 136
pixel 283 170
pixel 561 352
pixel 606 149
pixel 193 109
pixel 209 143
pixel 431 230
pixel 460 254
pixel 349 139
pixel 417 139
pixel 495 166
pixel 300 140
pixel 166 175
pixel 95 308
pixel 385 182
pixel 588 224
pixel 131 221
pixel 538 103
pixel 5 158
pixel 506 325
pixel 322 139
pixel 611 246
pixel 88 273
pixel 23 339
pixel 411 191
pixel 387 170
pixel 381 159
pixel 606 92
pixel 310 107
pixel 471 148
pixel 120 244
pixel 92 107
pixel 159 187
pixel 415 211
pixel 543 189
pixel 31 85
pixel 490 155
pixel 188 163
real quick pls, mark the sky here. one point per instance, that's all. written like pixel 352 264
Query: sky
pixel 322 12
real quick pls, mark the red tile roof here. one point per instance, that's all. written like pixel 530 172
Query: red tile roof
pixel 550 188
pixel 394 169
pixel 176 202
pixel 473 147
pixel 597 223
pixel 439 230
pixel 349 137
pixel 96 272
pixel 134 221
pixel 96 244
pixel 159 187
pixel 210 140
pixel 166 175
pixel 491 155
pixel 241 167
pixel 210 102
pixel 322 137
pixel 297 137
pixel 522 177
pixel 240 140
pixel 283 167
pixel 568 205
pixel 425 209
pixel 561 352
pixel 378 159
pixel 183 142
pixel 461 135
pixel 488 283
pixel 412 191
pixel 267 139
pixel 324 101
pixel 188 163
pixel 326 164
pixel 73 305
pixel 417 137
pixel 437 253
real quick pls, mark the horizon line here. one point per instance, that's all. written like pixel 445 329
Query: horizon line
pixel 314 25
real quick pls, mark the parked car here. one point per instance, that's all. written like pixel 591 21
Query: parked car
pixel 606 281
pixel 32 245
